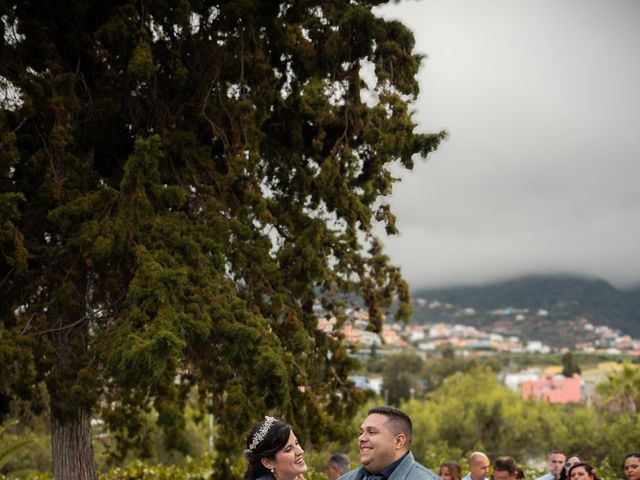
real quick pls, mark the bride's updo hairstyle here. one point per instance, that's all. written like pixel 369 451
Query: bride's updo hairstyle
pixel 266 439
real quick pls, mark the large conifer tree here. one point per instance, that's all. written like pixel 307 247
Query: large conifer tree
pixel 180 183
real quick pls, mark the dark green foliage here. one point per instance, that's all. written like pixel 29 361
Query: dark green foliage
pixel 570 365
pixel 400 376
pixel 473 411
pixel 180 183
pixel 436 371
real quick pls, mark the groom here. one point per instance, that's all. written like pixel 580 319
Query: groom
pixel 385 448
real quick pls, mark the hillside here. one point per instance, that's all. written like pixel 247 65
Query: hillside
pixel 552 306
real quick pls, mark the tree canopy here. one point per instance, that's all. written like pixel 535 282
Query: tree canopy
pixel 472 411
pixel 570 365
pixel 181 185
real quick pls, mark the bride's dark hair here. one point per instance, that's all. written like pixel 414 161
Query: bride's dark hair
pixel 275 439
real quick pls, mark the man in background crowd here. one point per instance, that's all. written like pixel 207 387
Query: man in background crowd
pixel 478 467
pixel 556 461
pixel 505 468
pixel 337 465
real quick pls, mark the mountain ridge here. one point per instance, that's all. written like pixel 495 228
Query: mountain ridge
pixel 564 297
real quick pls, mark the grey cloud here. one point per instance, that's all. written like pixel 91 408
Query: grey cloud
pixel 540 172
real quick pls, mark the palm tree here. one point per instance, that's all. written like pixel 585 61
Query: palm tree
pixel 7 449
pixel 621 390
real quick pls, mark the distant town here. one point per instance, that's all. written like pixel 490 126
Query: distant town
pixel 429 338
pixel 468 339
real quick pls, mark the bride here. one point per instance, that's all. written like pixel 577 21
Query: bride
pixel 273 452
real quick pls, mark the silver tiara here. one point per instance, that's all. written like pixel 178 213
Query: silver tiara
pixel 261 434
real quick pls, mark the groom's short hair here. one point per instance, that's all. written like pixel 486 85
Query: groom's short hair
pixel 397 421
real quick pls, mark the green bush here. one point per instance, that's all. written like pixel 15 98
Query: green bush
pixel 28 476
pixel 192 469
pixel 35 457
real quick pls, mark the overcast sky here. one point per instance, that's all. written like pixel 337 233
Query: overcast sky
pixel 541 171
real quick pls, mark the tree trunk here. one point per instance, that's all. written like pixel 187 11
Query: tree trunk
pixel 72 449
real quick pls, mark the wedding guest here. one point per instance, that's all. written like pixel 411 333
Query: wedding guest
pixel 478 467
pixel 450 471
pixel 582 471
pixel 337 465
pixel 505 468
pixel 631 466
pixel 570 461
pixel 555 461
